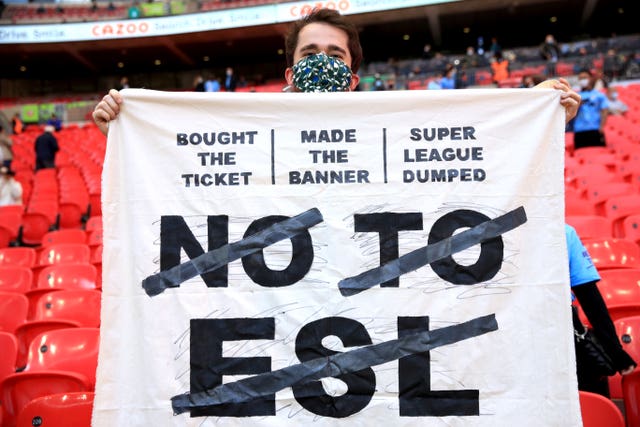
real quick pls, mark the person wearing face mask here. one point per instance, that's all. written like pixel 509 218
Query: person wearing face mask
pixel 323 54
pixel 588 125
pixel 616 106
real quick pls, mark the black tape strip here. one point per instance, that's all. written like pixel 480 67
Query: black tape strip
pixel 212 260
pixel 433 252
pixel 260 385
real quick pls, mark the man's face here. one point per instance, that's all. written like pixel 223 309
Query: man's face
pixel 319 37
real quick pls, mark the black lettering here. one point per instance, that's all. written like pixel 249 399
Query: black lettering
pixel 176 235
pixel 415 134
pixel 414 382
pixel 182 139
pixel 387 225
pixel 491 251
pixel 361 384
pixel 301 257
pixel 208 365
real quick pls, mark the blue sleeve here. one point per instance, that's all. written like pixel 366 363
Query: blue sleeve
pixel 581 268
pixel 604 102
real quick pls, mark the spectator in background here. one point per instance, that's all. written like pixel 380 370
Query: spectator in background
pixel 583 281
pixel 588 125
pixel 212 84
pixel 46 147
pixel 55 122
pixel 495 46
pixel 434 83
pixel 616 106
pixel 230 82
pixel 448 80
pixel 499 67
pixel 16 123
pixel 10 189
pixel 611 66
pixel 584 62
pixel 134 11
pixel 6 148
pixel 378 83
pixel 198 84
pixel 124 83
pixel 550 52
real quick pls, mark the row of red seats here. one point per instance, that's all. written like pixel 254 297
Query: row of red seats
pixel 60 310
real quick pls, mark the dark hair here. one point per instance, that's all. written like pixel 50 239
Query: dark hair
pixel 586 70
pixel 329 17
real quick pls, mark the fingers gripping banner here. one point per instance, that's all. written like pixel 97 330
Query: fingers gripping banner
pixel 360 259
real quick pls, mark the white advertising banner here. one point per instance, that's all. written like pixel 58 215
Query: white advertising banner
pixel 343 259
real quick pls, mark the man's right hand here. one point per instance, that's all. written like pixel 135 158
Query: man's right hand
pixel 107 110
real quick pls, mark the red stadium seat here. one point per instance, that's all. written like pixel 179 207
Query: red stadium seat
pixel 598 193
pixel 15 279
pixel 590 226
pixel 78 305
pixel 64 236
pixel 22 256
pixel 28 331
pixel 65 253
pixel 94 223
pixel 34 226
pixel 10 222
pixel 620 289
pixel 613 253
pixel 598 411
pixel 21 388
pixel 631 397
pixel 617 208
pixel 631 228
pixel 628 329
pixel 58 410
pixel 13 310
pixel 62 276
pixel 9 346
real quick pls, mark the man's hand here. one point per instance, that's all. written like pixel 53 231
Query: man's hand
pixel 569 98
pixel 107 110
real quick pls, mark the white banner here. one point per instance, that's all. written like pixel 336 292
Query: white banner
pixel 360 259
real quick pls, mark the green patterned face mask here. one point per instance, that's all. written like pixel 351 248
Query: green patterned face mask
pixel 321 73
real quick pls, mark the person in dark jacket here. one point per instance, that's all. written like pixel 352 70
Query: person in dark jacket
pixel 46 147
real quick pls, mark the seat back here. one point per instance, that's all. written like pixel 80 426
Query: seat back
pixel 15 279
pixel 631 228
pixel 71 349
pixel 13 310
pixel 613 253
pixel 64 236
pixel 620 289
pixel 590 226
pixel 79 305
pixel 68 276
pixel 65 253
pixel 631 397
pixel 617 208
pixel 19 389
pixel 22 256
pixel 58 410
pixel 598 411
pixel 9 346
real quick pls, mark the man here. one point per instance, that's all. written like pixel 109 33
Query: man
pixel 323 55
pixel 588 125
pixel 46 147
pixel 616 106
pixel 10 189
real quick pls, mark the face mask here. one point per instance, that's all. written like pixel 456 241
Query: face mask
pixel 584 83
pixel 321 73
pixel 614 95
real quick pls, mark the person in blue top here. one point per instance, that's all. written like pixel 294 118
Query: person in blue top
pixel 588 126
pixel 583 278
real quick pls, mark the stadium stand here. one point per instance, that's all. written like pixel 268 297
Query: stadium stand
pixel 39 300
